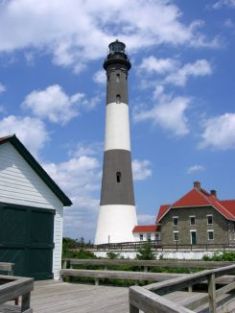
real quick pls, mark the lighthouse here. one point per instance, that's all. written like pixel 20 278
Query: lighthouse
pixel 117 214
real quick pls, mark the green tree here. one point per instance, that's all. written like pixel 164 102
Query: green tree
pixel 145 252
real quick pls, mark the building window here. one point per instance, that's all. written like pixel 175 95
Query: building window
pixel 175 220
pixel 118 177
pixel 192 220
pixel 141 237
pixel 157 237
pixel 210 235
pixel 118 98
pixel 209 219
pixel 118 78
pixel 176 236
pixel 148 236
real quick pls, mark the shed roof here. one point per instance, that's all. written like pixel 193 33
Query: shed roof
pixel 37 168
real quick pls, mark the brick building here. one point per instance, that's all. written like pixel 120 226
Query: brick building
pixel 197 218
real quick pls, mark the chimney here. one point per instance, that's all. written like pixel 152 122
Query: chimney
pixel 197 185
pixel 213 193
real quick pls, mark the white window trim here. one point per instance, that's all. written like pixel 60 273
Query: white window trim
pixel 175 232
pixel 212 219
pixel 190 219
pixel 141 235
pixel 210 231
pixel 175 218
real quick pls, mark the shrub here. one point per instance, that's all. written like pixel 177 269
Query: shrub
pixel 145 252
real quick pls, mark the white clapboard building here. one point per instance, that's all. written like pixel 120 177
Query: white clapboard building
pixel 31 213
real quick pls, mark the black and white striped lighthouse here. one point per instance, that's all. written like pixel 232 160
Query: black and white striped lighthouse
pixel 117 215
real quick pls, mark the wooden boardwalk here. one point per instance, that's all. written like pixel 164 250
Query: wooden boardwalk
pixel 60 297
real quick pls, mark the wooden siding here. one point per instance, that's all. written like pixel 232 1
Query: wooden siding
pixel 19 184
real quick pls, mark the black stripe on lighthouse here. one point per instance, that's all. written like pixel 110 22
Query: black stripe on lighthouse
pixel 117 182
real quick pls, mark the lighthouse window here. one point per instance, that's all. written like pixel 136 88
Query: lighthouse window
pixel 118 176
pixel 118 98
pixel 118 78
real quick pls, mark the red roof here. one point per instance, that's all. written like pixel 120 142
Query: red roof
pixel 145 229
pixel 198 197
pixel 229 205
pixel 163 209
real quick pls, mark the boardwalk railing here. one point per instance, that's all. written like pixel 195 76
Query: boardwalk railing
pixel 12 287
pixel 97 275
pixel 148 298
pixel 145 264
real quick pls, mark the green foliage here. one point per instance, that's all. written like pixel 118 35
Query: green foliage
pixel 221 256
pixel 71 249
pixel 112 255
pixel 145 252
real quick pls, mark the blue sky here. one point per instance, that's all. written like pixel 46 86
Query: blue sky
pixel 181 95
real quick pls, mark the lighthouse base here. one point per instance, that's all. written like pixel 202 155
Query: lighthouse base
pixel 115 224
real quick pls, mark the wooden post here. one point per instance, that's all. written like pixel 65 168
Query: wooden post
pixel 64 264
pixel 145 269
pixel 25 304
pixel 97 281
pixel 212 293
pixel 190 288
pixel 133 309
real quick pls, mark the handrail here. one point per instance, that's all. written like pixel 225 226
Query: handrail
pixel 12 287
pixel 161 288
pixel 189 264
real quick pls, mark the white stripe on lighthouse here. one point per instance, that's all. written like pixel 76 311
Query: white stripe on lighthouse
pixel 117 129
pixel 115 223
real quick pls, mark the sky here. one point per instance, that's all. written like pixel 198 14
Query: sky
pixel 181 95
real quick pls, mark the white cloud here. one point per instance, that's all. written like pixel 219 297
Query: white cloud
pixel 221 3
pixel 31 131
pixel 198 68
pixel 79 177
pixel 77 31
pixel 100 77
pixel 219 132
pixel 169 114
pixel 2 88
pixel 141 169
pixel 54 104
pixel 195 168
pixel 159 66
pixel 146 219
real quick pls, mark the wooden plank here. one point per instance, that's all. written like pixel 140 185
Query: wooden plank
pixel 187 280
pixel 15 288
pixel 79 298
pixel 151 263
pixel 225 289
pixel 190 300
pixel 211 293
pixel 147 301
pixel 118 275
